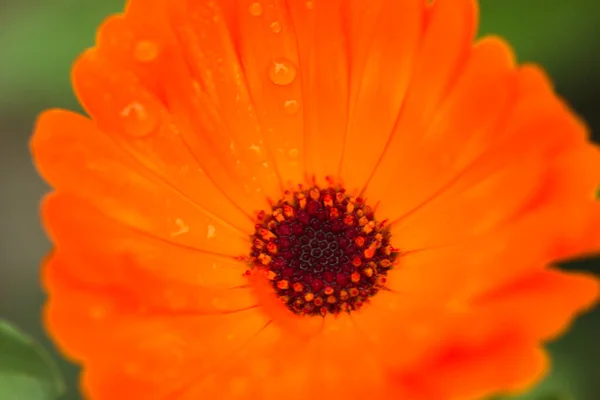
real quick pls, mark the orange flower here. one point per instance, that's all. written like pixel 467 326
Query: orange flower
pixel 329 199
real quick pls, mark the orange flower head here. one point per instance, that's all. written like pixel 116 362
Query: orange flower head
pixel 318 251
pixel 330 199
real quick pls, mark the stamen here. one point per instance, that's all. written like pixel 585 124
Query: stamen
pixel 324 250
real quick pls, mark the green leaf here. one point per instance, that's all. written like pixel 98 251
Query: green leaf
pixel 554 395
pixel 27 371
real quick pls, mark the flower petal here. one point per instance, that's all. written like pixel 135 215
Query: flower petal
pixel 323 69
pixel 268 357
pixel 146 53
pixel 211 96
pixel 314 369
pixel 488 261
pixel 383 56
pixel 542 303
pixel 537 151
pixel 444 48
pixel 168 278
pixel 498 364
pixel 468 116
pixel 267 46
pixel 75 157
pixel 139 350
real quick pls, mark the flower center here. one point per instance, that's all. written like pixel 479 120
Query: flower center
pixel 324 251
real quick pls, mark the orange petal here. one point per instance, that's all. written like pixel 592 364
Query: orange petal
pixel 541 304
pixel 75 157
pixel 400 328
pixel 138 45
pixel 212 103
pixel 488 261
pixel 467 119
pixel 345 366
pixel 446 220
pixel 165 142
pixel 533 166
pixel 292 324
pixel 146 53
pixel 474 370
pixel 443 51
pixel 383 48
pixel 268 50
pixel 267 367
pixel 106 328
pixel 168 278
pixel 323 74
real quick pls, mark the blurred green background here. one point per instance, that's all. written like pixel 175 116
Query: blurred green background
pixel 39 39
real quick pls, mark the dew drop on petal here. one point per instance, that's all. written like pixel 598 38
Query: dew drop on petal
pixel 293 153
pixel 145 51
pixel 137 121
pixel 211 232
pixel 256 9
pixel 310 5
pixel 276 27
pixel 282 71
pixel 291 107
pixel 182 228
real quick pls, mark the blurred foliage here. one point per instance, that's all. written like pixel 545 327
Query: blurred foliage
pixel 26 370
pixel 555 33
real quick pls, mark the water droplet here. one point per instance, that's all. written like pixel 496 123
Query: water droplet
pixel 282 71
pixel 211 232
pixel 293 153
pixel 256 9
pixel 182 228
pixel 275 27
pixel 137 121
pixel 291 107
pixel 145 51
pixel 310 5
